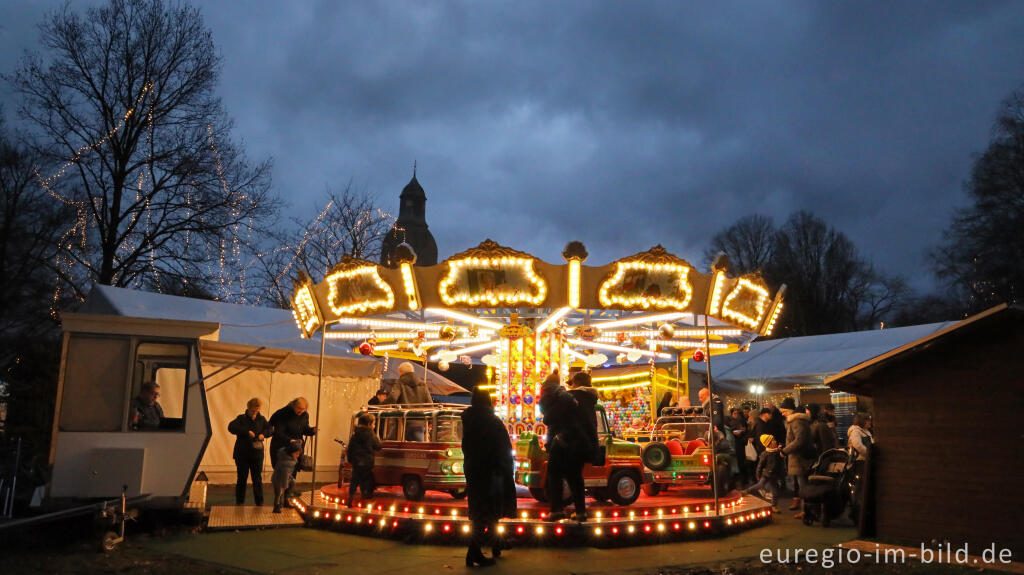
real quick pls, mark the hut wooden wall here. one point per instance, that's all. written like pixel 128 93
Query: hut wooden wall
pixel 950 427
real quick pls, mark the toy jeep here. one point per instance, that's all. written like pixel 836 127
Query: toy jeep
pixel 676 451
pixel 619 479
pixel 422 449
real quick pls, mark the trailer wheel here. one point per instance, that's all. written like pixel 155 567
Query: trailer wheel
pixel 109 542
pixel 624 486
pixel 412 487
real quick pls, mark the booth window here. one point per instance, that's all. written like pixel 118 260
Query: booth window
pixel 165 364
pixel 93 397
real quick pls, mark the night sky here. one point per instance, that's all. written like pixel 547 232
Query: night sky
pixel 622 124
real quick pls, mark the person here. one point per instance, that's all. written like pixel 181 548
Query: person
pixel 770 470
pixel 379 398
pixel 777 424
pixel 361 448
pixel 859 437
pixel 566 447
pixel 738 426
pixel 283 477
pixel 799 451
pixel 147 415
pixel 823 437
pixel 250 430
pixel 490 475
pixel 712 407
pixel 586 401
pixel 666 401
pixel 829 416
pixel 409 389
pixel 762 426
pixel 290 424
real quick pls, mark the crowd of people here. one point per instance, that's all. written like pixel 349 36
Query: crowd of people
pixel 771 450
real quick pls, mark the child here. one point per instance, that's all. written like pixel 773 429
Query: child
pixel 770 469
pixel 284 468
pixel 361 447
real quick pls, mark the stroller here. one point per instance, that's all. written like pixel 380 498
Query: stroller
pixel 828 487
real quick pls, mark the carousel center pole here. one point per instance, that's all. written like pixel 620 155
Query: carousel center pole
pixel 711 409
pixel 316 421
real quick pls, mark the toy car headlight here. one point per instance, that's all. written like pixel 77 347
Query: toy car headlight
pixel 456 467
pixel 446 467
pixel 449 452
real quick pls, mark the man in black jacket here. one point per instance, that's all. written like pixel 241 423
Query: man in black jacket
pixel 250 429
pixel 566 446
pixel 290 423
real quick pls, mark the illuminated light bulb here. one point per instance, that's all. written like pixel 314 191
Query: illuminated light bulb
pixel 647 528
pixel 661 527
pixel 707 525
pixel 691 525
pixel 465 528
pixel 597 531
pixel 631 529
pixel 428 527
pixel 540 530
pixel 316 514
pixel 677 526
pixel 501 529
pixel 359 518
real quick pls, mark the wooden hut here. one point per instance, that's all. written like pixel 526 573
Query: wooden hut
pixel 947 464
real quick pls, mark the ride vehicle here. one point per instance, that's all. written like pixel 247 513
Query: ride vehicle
pixel 675 451
pixel 422 449
pixel 619 479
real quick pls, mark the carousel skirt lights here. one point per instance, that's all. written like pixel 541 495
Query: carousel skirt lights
pixel 439 519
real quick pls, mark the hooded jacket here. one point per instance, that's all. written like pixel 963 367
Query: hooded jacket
pixel 799 449
pixel 770 465
pixel 586 401
pixel 409 389
pixel 361 447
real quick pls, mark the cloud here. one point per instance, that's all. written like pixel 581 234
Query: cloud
pixel 622 124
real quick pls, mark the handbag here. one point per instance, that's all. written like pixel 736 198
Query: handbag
pixel 751 452
pixel 305 462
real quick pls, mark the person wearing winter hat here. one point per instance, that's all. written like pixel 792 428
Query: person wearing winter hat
pixel 799 449
pixel 770 469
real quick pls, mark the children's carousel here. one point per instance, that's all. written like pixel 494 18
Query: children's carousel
pixel 634 324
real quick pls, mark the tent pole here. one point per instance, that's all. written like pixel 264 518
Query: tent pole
pixel 316 422
pixel 711 410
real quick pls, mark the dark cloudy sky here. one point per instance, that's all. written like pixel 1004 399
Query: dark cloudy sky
pixel 621 124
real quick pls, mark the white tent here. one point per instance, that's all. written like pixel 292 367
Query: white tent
pixel 780 364
pixel 256 352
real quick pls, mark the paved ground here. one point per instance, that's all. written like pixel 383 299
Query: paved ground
pixel 321 552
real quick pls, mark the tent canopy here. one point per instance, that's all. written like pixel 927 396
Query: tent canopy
pixel 437 384
pixel 779 364
pixel 243 331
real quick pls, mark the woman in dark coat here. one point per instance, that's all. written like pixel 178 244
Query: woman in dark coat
pixel 490 475
pixel 250 429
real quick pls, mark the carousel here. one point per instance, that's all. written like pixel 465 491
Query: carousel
pixel 634 324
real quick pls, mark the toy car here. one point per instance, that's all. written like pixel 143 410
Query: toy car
pixel 422 449
pixel 620 479
pixel 676 451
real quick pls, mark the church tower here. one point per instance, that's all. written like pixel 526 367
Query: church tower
pixel 411 228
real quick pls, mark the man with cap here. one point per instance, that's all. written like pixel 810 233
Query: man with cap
pixel 799 449
pixel 380 398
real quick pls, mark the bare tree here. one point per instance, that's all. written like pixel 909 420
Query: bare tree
pixel 126 97
pixel 749 243
pixel 29 228
pixel 349 224
pixel 982 254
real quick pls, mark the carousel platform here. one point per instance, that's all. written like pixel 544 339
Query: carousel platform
pixel 438 518
pixel 237 517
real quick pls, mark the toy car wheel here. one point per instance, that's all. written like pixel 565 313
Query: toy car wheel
pixel 539 494
pixel 656 456
pixel 109 542
pixel 412 487
pixel 624 486
pixel 652 489
pixel 459 493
